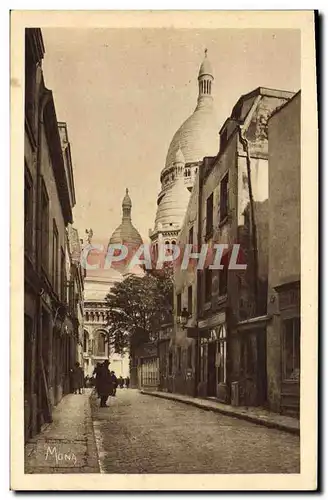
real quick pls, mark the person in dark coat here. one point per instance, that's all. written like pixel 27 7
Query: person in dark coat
pixel 77 378
pixel 127 382
pixel 96 376
pixel 121 382
pixel 105 383
pixel 114 383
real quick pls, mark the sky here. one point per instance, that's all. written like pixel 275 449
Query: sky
pixel 124 92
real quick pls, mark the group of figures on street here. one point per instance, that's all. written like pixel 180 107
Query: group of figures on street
pixel 104 381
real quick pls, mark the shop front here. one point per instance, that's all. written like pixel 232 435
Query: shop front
pixel 213 376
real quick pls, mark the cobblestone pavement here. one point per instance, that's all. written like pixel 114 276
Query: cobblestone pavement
pixel 143 434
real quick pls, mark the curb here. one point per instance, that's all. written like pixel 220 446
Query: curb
pixel 92 451
pixel 228 412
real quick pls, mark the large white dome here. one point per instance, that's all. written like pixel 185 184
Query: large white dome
pixel 198 136
pixel 172 207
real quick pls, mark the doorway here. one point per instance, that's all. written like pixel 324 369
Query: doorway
pixel 211 370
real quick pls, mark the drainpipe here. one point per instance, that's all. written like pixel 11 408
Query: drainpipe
pixel 198 292
pixel 245 145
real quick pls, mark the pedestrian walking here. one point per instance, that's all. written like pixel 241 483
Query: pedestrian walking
pixel 127 382
pixel 114 383
pixel 77 378
pixel 121 382
pixel 96 377
pixel 104 383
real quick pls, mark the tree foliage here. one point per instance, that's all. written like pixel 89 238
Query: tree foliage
pixel 137 307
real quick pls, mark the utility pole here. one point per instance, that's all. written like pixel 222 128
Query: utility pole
pixel 245 145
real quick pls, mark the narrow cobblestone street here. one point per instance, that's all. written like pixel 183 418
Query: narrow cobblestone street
pixel 142 434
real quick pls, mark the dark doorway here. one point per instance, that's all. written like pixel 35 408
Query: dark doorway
pixel 211 371
pixel 262 371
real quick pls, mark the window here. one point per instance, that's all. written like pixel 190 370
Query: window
pixel 209 216
pixel 291 332
pixel 101 347
pixel 179 359
pixel 170 362
pixel 178 304
pixel 190 299
pixel 189 357
pixel 221 361
pixel 191 236
pixel 55 256
pixel 208 285
pixel 28 211
pixel 223 278
pixel 62 276
pixel 224 197
pixel 44 228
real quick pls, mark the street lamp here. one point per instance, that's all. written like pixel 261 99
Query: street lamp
pixel 184 317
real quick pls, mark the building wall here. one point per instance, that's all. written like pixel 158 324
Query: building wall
pixel 181 378
pixel 284 243
pixel 220 317
pixel 284 157
pixel 49 344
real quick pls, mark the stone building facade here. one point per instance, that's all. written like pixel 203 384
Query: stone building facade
pixel 50 305
pixel 221 351
pixel 284 329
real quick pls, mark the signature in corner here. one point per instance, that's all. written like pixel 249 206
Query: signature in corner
pixel 60 457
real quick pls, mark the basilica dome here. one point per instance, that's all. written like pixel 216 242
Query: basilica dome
pixel 172 207
pixel 126 233
pixel 198 135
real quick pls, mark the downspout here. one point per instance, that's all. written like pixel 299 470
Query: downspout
pixel 244 142
pixel 198 274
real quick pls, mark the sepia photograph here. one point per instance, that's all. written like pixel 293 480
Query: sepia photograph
pixel 164 323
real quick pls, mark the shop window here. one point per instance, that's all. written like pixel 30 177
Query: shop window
pixel 291 333
pixel 190 299
pixel 179 358
pixel 224 197
pixel 209 216
pixel 189 357
pixel 208 285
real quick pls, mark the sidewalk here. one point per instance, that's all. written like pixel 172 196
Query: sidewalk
pixel 256 415
pixel 67 445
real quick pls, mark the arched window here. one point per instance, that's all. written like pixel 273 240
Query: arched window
pixel 87 316
pixel 100 344
pixel 174 242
